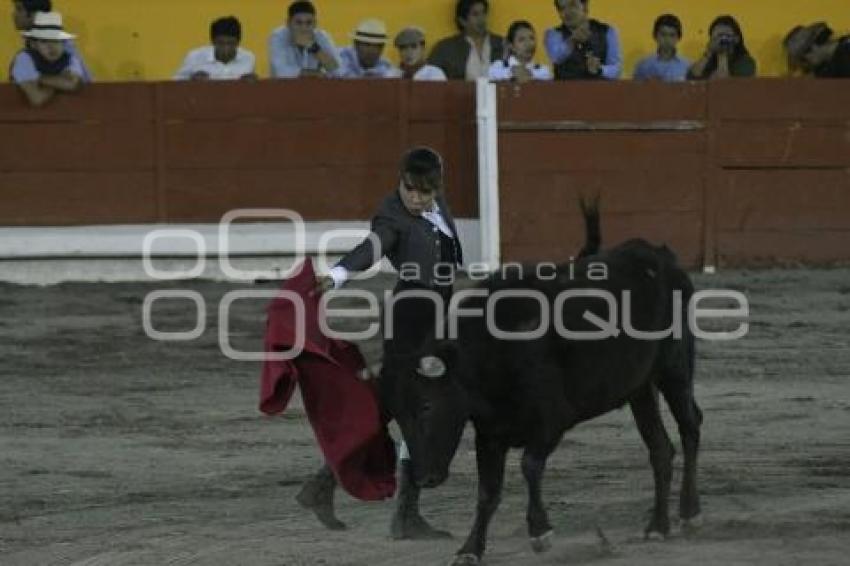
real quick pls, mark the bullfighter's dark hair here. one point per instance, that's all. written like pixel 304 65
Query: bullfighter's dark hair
pixel 301 7
pixel 424 167
pixel 464 7
pixel 669 21
pixel 33 6
pixel 226 27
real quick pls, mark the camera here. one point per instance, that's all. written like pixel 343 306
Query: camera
pixel 726 42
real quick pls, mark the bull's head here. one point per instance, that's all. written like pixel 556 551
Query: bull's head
pixel 427 400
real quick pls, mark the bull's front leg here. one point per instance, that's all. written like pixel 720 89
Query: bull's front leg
pixel 539 527
pixel 490 456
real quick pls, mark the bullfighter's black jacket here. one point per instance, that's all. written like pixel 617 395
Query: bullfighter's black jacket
pixel 406 240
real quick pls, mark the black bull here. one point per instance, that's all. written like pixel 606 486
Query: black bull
pixel 528 393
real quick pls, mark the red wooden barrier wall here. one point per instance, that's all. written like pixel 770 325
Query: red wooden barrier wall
pixel 744 172
pixel 189 152
pixel 781 185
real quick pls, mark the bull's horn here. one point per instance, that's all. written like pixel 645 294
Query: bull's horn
pixel 431 367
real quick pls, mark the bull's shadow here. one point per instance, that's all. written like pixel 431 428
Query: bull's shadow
pixel 527 393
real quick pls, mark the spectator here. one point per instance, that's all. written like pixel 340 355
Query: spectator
pixel 469 54
pixel 519 66
pixel 46 68
pixel 23 15
pixel 666 65
pixel 363 59
pixel 583 48
pixel 224 59
pixel 300 49
pixel 410 43
pixel 726 55
pixel 814 51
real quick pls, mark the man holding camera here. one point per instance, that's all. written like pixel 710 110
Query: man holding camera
pixel 583 48
pixel 726 54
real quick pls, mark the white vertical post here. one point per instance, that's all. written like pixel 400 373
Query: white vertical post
pixel 488 173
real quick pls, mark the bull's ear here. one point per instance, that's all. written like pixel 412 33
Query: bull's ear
pixel 431 367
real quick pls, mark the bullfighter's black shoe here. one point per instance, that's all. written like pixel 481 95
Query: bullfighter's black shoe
pixel 317 495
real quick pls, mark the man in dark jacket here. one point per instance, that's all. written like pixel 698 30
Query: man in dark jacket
pixel 583 48
pixel 415 230
pixel 469 54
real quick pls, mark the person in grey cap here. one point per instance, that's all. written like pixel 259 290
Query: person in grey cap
pixel 814 50
pixel 410 43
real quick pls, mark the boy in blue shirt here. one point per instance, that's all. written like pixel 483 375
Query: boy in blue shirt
pixel 666 65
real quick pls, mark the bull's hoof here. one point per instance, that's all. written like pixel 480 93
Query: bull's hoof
pixel 692 525
pixel 466 560
pixel 543 543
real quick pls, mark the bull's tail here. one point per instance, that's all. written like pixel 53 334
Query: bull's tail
pixel 592 230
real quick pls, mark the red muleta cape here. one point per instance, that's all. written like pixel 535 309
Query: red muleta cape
pixel 341 407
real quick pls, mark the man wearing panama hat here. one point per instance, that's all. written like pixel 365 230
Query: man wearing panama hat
pixel 46 67
pixel 363 59
pixel 23 16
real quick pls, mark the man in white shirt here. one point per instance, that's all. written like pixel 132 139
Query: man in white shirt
pixel 224 60
pixel 410 43
pixel 520 65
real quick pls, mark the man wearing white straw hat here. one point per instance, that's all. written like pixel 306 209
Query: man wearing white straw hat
pixel 46 67
pixel 23 16
pixel 363 59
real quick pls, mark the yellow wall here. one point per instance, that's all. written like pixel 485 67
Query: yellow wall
pixel 146 39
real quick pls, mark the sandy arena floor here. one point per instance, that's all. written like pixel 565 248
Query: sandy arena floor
pixel 116 450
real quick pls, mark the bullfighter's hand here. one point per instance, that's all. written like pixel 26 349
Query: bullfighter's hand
pixel 324 283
